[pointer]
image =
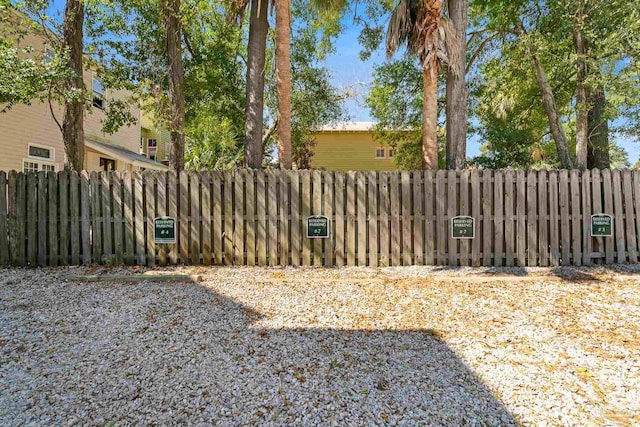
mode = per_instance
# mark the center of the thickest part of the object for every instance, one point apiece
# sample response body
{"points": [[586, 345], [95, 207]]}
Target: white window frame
{"points": [[52, 150], [99, 95], [389, 151], [39, 162], [384, 153]]}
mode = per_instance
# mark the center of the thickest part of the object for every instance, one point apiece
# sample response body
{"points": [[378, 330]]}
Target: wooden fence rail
{"points": [[255, 217]]}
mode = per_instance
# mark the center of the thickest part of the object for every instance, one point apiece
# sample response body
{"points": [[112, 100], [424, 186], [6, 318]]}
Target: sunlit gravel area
{"points": [[313, 346]]}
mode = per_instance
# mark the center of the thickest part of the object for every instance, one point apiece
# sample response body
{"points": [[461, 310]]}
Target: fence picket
{"points": [[118, 215], [442, 225], [475, 212], [328, 211], [576, 219], [42, 218], [295, 218], [487, 217], [509, 212], [620, 217], [172, 188], [217, 231], [129, 207], [521, 219], [629, 218], [565, 229], [284, 200], [238, 217], [543, 219], [452, 211], [316, 209], [429, 224], [385, 205], [586, 217], [554, 232], [361, 227], [150, 213], [351, 218], [394, 190], [532, 219], [465, 176], [195, 240], [32, 218], [250, 214], [261, 234], [85, 217], [498, 207], [339, 195], [63, 212], [272, 226], [609, 242], [4, 219], [227, 234], [52, 217], [418, 218]]}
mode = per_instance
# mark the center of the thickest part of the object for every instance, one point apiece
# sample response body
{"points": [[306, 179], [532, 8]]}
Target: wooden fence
{"points": [[246, 217]]}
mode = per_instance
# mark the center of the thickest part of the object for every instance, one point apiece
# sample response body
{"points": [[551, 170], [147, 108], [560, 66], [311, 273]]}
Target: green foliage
{"points": [[395, 100]]}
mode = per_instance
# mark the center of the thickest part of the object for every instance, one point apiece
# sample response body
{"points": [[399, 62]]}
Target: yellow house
{"points": [[350, 147], [31, 140], [155, 142]]}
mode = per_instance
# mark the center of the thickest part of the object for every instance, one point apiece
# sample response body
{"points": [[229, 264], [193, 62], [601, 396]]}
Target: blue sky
{"points": [[348, 71]]}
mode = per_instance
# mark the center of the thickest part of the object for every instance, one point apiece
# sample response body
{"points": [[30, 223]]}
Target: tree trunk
{"points": [[598, 154], [173, 29], [73, 122], [549, 103], [582, 92], [258, 26], [430, 118], [456, 108], [283, 80]]}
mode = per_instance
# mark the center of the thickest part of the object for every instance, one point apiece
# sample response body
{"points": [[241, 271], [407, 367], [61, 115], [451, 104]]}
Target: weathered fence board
{"points": [[259, 217]]}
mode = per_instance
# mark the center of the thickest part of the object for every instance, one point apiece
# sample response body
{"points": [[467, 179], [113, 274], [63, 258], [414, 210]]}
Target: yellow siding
{"points": [[150, 131], [349, 151], [33, 124]]}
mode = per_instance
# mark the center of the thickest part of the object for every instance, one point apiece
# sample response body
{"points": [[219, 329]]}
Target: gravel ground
{"points": [[351, 346]]}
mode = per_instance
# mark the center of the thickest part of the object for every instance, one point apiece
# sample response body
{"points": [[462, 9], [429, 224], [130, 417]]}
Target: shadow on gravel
{"points": [[167, 354], [569, 274]]}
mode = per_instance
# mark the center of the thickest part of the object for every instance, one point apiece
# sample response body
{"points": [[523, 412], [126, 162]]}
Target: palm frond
{"points": [[402, 27]]}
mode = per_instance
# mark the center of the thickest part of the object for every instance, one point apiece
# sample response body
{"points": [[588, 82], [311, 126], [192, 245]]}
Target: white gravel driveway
{"points": [[353, 346]]}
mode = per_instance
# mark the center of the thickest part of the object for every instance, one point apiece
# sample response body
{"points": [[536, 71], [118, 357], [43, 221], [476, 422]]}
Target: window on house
{"points": [[379, 153], [152, 154], [32, 166], [392, 153], [107, 164], [40, 152], [98, 94], [152, 143]]}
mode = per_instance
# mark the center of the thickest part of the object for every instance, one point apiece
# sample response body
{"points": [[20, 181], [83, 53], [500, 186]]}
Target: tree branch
{"points": [[479, 50], [53, 115], [270, 132]]}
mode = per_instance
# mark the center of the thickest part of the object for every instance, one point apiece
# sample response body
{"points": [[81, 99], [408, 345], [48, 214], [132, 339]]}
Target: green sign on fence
{"points": [[463, 227], [601, 225], [317, 227], [164, 229]]}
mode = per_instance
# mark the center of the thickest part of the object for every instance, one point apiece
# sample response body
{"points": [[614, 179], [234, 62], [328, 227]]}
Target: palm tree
{"points": [[419, 25], [283, 81], [258, 27]]}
